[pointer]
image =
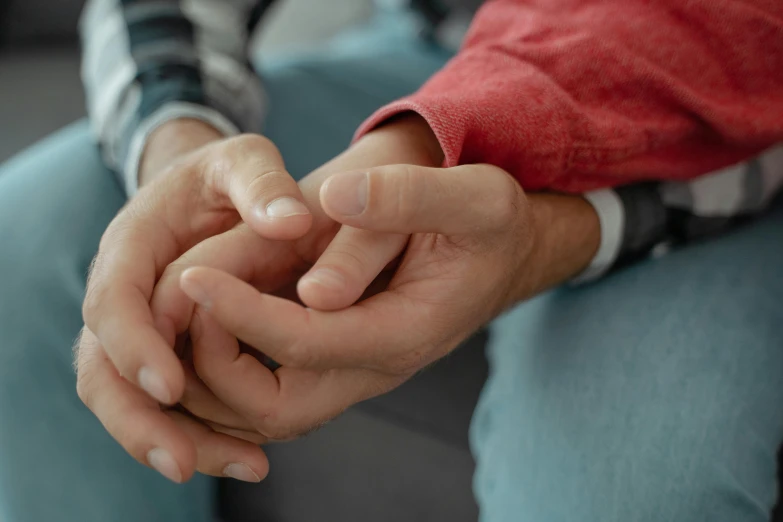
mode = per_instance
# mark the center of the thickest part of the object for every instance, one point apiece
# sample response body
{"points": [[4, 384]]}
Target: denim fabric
{"points": [[655, 395]]}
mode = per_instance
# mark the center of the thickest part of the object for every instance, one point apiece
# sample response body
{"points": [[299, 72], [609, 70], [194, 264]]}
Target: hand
{"points": [[199, 195], [195, 199], [172, 141], [479, 245]]}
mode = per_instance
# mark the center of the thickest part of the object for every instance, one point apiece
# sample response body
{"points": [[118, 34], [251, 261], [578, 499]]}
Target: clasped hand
{"points": [[392, 267]]}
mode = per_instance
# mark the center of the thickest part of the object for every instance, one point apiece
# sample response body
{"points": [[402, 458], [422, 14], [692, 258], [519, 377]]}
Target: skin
{"points": [[455, 276], [207, 262], [204, 186]]}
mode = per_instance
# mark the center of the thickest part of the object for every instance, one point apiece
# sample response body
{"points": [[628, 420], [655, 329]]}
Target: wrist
{"points": [[410, 131], [566, 236], [170, 141]]}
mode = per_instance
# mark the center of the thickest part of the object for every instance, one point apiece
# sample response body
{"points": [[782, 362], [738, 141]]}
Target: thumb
{"points": [[409, 199], [250, 170]]}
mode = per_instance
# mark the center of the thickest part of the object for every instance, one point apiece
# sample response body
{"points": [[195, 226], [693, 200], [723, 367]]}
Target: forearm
{"points": [[145, 64]]}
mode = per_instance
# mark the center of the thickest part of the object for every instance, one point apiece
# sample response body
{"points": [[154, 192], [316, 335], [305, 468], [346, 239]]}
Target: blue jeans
{"points": [[653, 395]]}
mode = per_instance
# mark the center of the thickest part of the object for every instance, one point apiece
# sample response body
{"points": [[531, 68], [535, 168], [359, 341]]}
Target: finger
{"points": [[221, 455], [166, 218], [138, 350], [202, 403], [237, 379], [408, 199], [250, 170], [251, 435], [116, 309], [130, 416], [283, 404], [240, 252], [350, 263], [365, 335]]}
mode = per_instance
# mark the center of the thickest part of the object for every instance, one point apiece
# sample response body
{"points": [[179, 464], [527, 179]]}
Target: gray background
{"points": [[40, 90]]}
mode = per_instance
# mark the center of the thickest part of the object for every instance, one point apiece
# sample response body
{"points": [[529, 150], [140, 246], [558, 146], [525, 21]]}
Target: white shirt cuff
{"points": [[611, 216]]}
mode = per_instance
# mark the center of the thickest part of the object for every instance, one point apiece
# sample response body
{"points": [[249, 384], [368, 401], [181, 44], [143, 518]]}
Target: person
{"points": [[652, 394]]}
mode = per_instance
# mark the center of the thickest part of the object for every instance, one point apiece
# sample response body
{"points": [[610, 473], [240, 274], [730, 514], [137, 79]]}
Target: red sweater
{"points": [[573, 95]]}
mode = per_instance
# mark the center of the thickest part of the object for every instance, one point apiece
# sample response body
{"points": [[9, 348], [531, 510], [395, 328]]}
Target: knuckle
{"points": [[350, 259], [223, 156], [410, 200], [268, 183], [260, 161], [247, 141], [298, 355], [93, 303], [301, 353], [403, 193], [247, 146], [504, 204], [84, 381]]}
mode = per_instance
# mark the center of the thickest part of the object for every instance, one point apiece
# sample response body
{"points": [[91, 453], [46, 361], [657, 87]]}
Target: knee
{"points": [[55, 200], [603, 440], [55, 194], [548, 465]]}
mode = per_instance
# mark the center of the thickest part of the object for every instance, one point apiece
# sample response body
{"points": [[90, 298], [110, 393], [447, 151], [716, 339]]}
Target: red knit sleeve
{"points": [[579, 94]]}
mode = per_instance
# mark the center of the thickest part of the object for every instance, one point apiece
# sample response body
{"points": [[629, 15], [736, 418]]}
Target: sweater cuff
{"points": [[441, 129]]}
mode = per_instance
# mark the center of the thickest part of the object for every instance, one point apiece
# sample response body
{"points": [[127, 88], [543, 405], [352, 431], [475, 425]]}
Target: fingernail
{"points": [[346, 193], [195, 291], [327, 277], [164, 464], [286, 207], [241, 472], [154, 385]]}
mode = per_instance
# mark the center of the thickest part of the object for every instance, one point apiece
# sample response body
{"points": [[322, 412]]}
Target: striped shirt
{"points": [[146, 62]]}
